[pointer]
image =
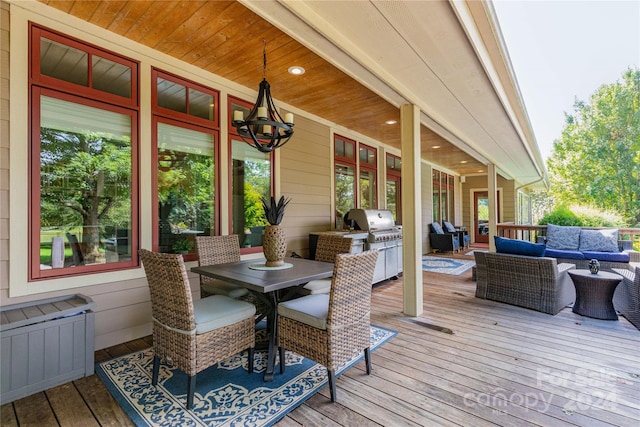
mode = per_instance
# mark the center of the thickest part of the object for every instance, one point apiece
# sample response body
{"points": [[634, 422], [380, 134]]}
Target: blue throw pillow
{"points": [[599, 240], [519, 247], [563, 237], [437, 228], [450, 228]]}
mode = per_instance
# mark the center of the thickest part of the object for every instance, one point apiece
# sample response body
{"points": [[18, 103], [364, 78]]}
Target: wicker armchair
{"points": [[626, 298], [537, 283], [219, 250], [328, 247], [193, 335], [330, 329]]}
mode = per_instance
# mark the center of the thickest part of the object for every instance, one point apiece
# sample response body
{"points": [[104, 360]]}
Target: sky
{"points": [[565, 50]]}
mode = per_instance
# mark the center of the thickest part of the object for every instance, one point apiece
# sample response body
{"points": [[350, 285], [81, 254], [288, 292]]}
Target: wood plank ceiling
{"points": [[226, 38]]}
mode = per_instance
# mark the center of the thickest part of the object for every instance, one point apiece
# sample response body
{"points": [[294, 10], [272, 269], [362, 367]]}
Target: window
{"points": [[524, 208], [185, 177], [368, 177], [394, 170], [345, 166], [84, 201], [251, 179], [443, 196]]}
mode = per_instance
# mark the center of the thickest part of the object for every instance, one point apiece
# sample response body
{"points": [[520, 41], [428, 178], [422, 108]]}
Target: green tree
{"points": [[597, 159]]}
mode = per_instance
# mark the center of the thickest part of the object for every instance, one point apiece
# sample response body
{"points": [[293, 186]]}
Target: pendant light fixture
{"points": [[264, 128]]}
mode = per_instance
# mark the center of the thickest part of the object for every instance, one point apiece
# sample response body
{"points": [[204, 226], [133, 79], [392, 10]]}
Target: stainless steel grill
{"points": [[378, 223], [382, 234]]}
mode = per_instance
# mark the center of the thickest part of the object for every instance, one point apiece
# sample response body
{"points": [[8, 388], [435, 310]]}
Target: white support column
{"points": [[492, 186], [411, 210]]}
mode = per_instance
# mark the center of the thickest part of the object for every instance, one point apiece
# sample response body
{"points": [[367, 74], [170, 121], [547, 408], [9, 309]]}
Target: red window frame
{"points": [[36, 32], [39, 85], [187, 121], [395, 175], [35, 273], [185, 117], [371, 167], [346, 161]]}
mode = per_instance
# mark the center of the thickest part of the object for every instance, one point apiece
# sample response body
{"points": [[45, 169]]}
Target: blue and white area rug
{"points": [[226, 395], [452, 266]]}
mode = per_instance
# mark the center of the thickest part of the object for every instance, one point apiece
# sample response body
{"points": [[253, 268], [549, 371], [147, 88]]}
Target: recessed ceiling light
{"points": [[480, 171], [296, 70], [391, 122], [435, 146], [463, 161]]}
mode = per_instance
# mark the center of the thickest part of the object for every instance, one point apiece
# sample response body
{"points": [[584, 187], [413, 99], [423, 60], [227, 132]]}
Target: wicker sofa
{"points": [[578, 246], [537, 283]]}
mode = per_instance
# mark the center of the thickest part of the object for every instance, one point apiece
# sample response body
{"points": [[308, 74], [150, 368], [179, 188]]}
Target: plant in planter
{"points": [[182, 246], [274, 243]]}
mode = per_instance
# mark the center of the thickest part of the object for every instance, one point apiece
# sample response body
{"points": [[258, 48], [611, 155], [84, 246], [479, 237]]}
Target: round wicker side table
{"points": [[594, 293]]}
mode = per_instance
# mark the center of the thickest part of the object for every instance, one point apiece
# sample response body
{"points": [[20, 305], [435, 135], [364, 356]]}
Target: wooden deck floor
{"points": [[465, 362]]}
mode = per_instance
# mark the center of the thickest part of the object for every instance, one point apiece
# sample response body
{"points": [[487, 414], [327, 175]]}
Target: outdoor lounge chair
{"points": [[218, 250], [330, 329], [193, 335], [626, 298], [441, 241], [328, 247], [537, 283]]}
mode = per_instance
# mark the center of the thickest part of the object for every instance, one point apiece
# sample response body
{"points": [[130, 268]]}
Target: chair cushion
{"points": [[218, 287], [599, 240], [437, 228], [449, 227], [519, 247], [563, 237], [320, 286], [607, 256], [311, 310], [556, 253], [218, 311]]}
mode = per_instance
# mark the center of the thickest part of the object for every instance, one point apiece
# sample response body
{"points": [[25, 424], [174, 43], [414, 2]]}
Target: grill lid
{"points": [[371, 220]]}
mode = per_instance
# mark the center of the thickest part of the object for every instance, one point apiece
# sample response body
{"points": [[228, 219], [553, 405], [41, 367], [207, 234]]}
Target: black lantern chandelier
{"points": [[264, 128]]}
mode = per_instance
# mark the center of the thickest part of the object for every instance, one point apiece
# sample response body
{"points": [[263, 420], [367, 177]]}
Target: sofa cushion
{"points": [[556, 253], [563, 237], [599, 240], [449, 227], [607, 256], [518, 247], [437, 228]]}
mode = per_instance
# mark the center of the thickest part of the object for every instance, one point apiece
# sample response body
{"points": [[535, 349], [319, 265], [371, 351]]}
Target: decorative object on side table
{"points": [[594, 266], [274, 243]]}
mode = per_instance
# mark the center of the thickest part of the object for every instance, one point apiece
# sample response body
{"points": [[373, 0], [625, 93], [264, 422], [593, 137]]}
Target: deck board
{"points": [[501, 365]]}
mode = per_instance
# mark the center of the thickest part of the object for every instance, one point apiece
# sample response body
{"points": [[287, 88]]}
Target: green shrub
{"points": [[561, 215], [583, 216]]}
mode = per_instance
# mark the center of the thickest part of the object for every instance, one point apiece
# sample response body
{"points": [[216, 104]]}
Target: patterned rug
{"points": [[225, 394], [452, 266]]}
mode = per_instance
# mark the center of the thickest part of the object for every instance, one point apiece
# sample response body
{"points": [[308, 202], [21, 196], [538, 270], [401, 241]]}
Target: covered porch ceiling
{"points": [[363, 59]]}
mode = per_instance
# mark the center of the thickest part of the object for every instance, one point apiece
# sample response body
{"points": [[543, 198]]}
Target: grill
{"points": [[382, 234]]}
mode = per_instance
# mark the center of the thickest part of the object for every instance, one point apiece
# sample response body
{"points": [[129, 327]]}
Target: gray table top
{"points": [[265, 281], [600, 275]]}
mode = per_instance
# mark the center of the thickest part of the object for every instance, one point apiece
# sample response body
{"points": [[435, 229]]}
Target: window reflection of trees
{"points": [[85, 182]]}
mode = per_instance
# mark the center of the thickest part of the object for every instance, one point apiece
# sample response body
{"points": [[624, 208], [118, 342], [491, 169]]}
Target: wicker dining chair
{"points": [[193, 335], [328, 247], [219, 250], [330, 329]]}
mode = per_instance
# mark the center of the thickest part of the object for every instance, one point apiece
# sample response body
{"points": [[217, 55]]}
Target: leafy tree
{"points": [[597, 159]]}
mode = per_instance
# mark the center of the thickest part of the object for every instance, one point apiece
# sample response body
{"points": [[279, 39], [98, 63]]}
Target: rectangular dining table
{"points": [[268, 284]]}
